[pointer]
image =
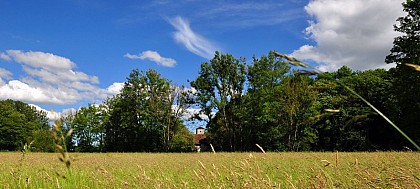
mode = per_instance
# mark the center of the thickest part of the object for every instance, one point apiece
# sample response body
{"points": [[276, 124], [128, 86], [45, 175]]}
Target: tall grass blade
{"points": [[381, 114]]}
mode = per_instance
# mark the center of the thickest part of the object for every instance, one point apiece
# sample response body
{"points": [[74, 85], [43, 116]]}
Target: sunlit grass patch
{"points": [[220, 170]]}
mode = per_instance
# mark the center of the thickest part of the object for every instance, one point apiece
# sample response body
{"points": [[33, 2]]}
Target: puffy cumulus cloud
{"points": [[191, 40], [154, 57], [191, 112], [51, 79], [356, 33], [18, 90], [115, 88], [53, 115], [68, 111], [41, 60], [188, 113]]}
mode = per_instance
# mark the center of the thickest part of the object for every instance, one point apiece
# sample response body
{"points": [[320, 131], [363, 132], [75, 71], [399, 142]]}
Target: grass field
{"points": [[208, 170]]}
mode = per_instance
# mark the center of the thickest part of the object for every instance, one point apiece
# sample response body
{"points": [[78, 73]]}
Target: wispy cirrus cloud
{"points": [[249, 14], [48, 79], [357, 33], [223, 15], [154, 57], [194, 42]]}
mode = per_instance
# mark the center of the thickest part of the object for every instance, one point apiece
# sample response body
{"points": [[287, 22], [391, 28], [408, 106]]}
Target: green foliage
{"points": [[221, 82], [42, 141], [406, 48], [182, 140], [266, 103], [142, 118], [356, 126], [406, 85], [278, 108], [262, 102], [88, 128], [283, 109], [20, 124], [297, 98]]}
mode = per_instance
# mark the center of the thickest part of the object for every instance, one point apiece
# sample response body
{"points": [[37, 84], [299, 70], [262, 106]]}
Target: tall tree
{"points": [[405, 52], [345, 123], [88, 129], [220, 82], [262, 101], [297, 99], [145, 116], [133, 125], [177, 136]]}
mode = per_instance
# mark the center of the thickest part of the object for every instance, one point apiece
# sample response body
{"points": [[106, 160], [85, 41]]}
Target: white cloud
{"points": [[356, 33], [69, 111], [154, 57], [115, 88], [191, 112], [60, 76], [191, 40], [80, 86], [4, 57], [5, 73], [50, 79], [41, 60], [18, 90], [53, 115]]}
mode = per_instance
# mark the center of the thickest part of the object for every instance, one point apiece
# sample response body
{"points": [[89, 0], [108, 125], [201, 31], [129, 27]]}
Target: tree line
{"points": [[284, 109], [274, 100], [146, 116]]}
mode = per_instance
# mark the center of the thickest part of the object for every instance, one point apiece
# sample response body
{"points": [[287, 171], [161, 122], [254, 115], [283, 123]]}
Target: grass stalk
{"points": [[295, 62], [262, 150], [381, 114]]}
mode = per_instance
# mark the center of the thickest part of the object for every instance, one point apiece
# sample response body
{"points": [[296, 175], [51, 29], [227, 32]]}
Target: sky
{"points": [[62, 55]]}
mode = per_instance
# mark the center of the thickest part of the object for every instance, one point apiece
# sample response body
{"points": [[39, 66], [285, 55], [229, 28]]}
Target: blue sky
{"points": [[65, 54]]}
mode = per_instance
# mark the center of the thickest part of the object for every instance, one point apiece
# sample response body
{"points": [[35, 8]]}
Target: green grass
{"points": [[208, 170]]}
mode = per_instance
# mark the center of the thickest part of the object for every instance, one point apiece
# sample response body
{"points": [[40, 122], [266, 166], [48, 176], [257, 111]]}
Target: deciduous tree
{"points": [[406, 87]]}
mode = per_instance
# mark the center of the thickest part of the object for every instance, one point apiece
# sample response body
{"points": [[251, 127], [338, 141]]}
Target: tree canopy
{"points": [[406, 85], [22, 124], [275, 101]]}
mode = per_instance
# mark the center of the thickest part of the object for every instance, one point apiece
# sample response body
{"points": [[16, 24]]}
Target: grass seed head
{"points": [[69, 133], [308, 72], [68, 162], [331, 110], [413, 66]]}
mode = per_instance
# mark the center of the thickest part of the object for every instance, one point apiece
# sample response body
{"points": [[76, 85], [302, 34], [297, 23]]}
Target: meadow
{"points": [[209, 170]]}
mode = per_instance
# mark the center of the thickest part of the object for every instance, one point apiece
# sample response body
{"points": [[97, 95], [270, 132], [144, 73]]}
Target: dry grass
{"points": [[221, 170]]}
